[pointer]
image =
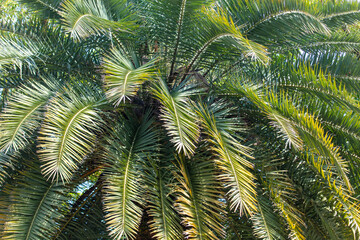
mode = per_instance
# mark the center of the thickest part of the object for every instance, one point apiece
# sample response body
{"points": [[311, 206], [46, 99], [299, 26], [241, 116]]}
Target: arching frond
{"points": [[284, 27], [308, 81], [198, 200], [348, 205], [86, 217], [340, 19], [32, 207], [55, 52], [5, 165], [231, 155], [218, 26], [22, 115], [122, 78], [266, 222], [45, 8], [130, 145], [282, 192], [179, 118], [340, 41], [68, 132], [165, 223], [306, 127], [83, 18], [170, 22], [18, 53]]}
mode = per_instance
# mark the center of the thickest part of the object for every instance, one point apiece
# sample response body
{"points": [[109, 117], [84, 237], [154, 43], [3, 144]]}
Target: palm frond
{"points": [[19, 53], [23, 114], [83, 18], [282, 192], [122, 78], [165, 223], [337, 20], [56, 53], [68, 132], [6, 165], [131, 144], [334, 229], [179, 118], [187, 9], [286, 26], [266, 222], [312, 82], [339, 41], [216, 26], [330, 12], [231, 155], [314, 136], [169, 22], [348, 205], [44, 8], [198, 199], [304, 125], [33, 206], [85, 220]]}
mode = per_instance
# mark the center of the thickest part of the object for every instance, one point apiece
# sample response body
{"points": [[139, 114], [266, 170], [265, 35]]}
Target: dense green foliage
{"points": [[180, 119]]}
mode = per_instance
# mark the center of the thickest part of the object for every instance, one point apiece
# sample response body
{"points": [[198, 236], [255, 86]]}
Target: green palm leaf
{"points": [[122, 78], [32, 207], [124, 189], [286, 26], [348, 205], [19, 52], [198, 200], [165, 223], [83, 18], [312, 82], [68, 132], [282, 192], [339, 41], [180, 120], [300, 125], [6, 165], [22, 115], [86, 210], [221, 127], [217, 26], [45, 8], [266, 222]]}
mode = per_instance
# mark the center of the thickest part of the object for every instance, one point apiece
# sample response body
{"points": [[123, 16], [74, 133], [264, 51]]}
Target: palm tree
{"points": [[159, 119]]}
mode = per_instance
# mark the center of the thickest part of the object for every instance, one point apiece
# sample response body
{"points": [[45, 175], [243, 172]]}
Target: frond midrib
{"points": [[37, 211], [126, 177], [65, 135], [22, 121]]}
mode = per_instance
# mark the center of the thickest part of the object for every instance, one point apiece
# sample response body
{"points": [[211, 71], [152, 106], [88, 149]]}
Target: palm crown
{"points": [[176, 119]]}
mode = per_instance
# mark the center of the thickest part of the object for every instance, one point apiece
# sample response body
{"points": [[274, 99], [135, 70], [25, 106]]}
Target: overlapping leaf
{"points": [[32, 207]]}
